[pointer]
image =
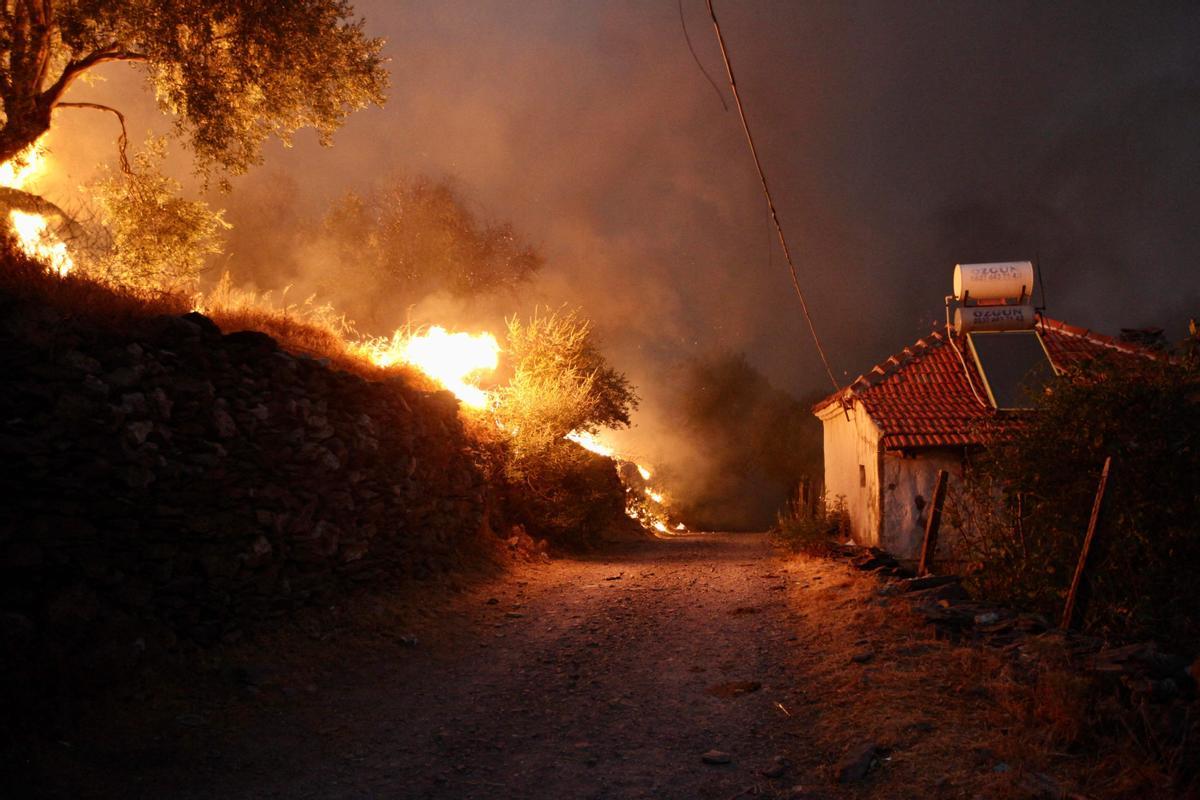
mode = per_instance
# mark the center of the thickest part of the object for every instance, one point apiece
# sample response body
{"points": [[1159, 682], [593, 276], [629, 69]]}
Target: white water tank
{"points": [[994, 318], [1006, 280]]}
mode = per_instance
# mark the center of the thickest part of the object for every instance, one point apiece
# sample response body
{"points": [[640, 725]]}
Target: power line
{"points": [[770, 202], [696, 58]]}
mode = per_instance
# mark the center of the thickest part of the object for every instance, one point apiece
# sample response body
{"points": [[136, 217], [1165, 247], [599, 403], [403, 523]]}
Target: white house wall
{"points": [[849, 444], [907, 494]]}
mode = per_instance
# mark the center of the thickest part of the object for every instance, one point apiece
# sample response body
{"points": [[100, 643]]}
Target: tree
{"points": [[760, 442], [157, 239], [417, 237], [231, 72], [560, 383]]}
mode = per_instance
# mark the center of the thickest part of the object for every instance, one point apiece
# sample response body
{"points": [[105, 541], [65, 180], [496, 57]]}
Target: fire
{"points": [[32, 231], [452, 359], [39, 243], [588, 441], [643, 503], [20, 170]]}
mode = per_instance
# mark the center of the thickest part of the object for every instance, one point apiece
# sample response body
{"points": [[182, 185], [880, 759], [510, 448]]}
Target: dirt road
{"points": [[604, 677]]}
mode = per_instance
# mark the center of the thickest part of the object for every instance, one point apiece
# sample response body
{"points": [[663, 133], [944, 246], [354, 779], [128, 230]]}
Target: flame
{"points": [[32, 231], [20, 170], [451, 359], [39, 243], [644, 503], [588, 441]]}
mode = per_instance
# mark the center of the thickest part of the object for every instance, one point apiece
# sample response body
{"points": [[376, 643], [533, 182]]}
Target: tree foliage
{"points": [[1147, 548], [560, 383], [418, 236], [157, 239], [230, 72], [759, 440]]}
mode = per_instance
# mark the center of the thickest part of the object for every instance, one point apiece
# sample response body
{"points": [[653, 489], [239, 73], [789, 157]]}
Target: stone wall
{"points": [[173, 483]]}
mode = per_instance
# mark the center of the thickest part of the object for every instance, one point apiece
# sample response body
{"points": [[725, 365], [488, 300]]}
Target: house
{"points": [[888, 433]]}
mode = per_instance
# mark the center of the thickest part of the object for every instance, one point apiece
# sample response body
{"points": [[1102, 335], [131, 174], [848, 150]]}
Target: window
{"points": [[862, 475]]}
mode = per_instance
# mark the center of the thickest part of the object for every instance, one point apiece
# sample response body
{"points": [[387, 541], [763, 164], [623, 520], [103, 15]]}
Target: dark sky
{"points": [[900, 138]]}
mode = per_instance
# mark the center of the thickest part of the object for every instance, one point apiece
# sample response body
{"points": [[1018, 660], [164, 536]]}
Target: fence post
{"points": [[929, 545], [1069, 610]]}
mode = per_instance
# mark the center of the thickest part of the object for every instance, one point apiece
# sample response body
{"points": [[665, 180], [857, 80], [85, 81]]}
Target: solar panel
{"points": [[1014, 365]]}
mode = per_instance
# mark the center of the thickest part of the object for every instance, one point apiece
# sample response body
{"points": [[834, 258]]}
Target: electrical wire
{"points": [[961, 360], [770, 202], [696, 58]]}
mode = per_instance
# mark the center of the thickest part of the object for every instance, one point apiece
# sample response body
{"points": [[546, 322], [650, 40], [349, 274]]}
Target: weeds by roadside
{"points": [[810, 527]]}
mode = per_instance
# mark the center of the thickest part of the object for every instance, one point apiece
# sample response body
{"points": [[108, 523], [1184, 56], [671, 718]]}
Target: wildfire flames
{"points": [[452, 359], [32, 231], [643, 503], [455, 360]]}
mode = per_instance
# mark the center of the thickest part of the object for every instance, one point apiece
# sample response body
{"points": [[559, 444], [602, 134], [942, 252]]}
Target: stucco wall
{"points": [[907, 493], [850, 443]]}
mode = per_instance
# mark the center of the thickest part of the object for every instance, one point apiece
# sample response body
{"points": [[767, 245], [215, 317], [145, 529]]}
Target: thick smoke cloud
{"points": [[900, 138]]}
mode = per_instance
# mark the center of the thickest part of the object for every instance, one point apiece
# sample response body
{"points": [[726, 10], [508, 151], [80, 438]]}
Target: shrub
{"points": [[1140, 573], [804, 528]]}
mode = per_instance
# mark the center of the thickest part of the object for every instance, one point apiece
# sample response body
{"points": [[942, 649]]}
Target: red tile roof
{"points": [[932, 395]]}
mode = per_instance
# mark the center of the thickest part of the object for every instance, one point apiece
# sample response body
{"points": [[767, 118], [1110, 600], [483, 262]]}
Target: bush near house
{"points": [[1141, 573]]}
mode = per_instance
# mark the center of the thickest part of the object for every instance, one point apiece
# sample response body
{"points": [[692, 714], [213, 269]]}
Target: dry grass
{"points": [[956, 721], [304, 328], [110, 307]]}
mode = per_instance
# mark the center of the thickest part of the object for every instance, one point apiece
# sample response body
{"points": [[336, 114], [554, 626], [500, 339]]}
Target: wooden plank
{"points": [[932, 522], [1069, 610]]}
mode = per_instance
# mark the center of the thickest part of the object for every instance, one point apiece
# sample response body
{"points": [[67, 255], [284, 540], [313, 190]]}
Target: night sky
{"points": [[899, 138]]}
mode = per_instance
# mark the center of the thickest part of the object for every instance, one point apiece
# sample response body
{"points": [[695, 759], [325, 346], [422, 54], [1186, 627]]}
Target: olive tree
{"points": [[231, 73]]}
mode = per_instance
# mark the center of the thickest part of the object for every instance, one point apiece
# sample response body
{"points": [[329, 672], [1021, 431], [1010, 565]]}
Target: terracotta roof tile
{"points": [[927, 396]]}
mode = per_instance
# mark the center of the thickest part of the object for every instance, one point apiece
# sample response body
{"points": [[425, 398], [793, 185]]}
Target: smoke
{"points": [[899, 139]]}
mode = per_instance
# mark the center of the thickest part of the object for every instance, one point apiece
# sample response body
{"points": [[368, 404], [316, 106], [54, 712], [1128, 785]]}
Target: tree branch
{"points": [[122, 140], [76, 68]]}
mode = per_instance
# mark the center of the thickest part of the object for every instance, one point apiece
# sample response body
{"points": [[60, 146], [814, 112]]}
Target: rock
{"points": [[863, 657], [716, 757], [776, 769], [857, 762], [987, 618]]}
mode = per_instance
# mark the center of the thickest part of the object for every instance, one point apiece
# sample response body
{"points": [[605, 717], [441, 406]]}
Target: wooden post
{"points": [[1069, 610], [929, 545]]}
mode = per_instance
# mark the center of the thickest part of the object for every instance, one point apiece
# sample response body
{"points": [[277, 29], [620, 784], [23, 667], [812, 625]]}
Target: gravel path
{"points": [[601, 678]]}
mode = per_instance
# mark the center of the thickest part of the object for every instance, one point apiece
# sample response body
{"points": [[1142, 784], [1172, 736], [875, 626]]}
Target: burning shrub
{"points": [[1140, 573]]}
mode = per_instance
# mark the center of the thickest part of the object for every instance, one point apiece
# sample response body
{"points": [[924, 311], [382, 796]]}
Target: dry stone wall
{"points": [[174, 483]]}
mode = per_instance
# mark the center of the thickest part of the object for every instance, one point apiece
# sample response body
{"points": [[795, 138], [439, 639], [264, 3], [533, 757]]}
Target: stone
{"points": [[776, 769], [863, 657], [857, 762], [716, 757]]}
